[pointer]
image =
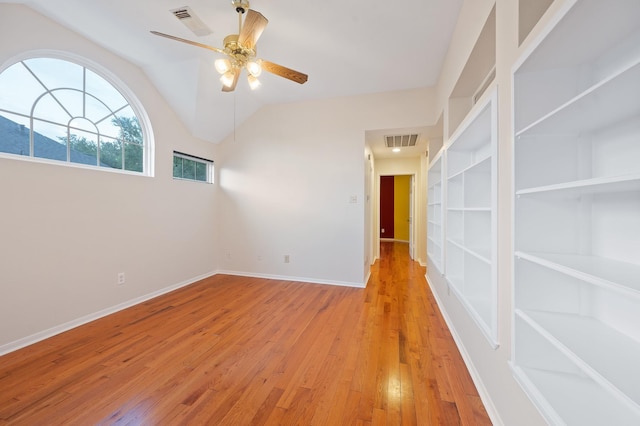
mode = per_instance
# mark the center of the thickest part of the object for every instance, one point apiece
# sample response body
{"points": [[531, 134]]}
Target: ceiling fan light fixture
{"points": [[254, 83], [254, 68], [227, 78], [222, 65]]}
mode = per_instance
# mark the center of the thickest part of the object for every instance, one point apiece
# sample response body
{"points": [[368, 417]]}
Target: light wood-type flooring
{"points": [[232, 350]]}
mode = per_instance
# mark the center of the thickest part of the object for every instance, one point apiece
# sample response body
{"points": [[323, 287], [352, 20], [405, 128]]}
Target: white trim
{"points": [[289, 278], [394, 240], [366, 279], [45, 334], [473, 372], [8, 156]]}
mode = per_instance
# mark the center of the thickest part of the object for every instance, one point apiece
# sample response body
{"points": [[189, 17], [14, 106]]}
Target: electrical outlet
{"points": [[286, 258], [121, 279]]}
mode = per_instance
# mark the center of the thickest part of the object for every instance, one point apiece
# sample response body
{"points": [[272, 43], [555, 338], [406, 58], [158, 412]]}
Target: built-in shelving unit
{"points": [[471, 203], [577, 216], [435, 249]]}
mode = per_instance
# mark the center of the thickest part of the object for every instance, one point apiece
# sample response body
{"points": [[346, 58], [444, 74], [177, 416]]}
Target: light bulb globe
{"points": [[222, 65]]}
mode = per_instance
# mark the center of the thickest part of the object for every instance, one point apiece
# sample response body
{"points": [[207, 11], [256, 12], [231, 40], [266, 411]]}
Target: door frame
{"points": [[375, 232]]}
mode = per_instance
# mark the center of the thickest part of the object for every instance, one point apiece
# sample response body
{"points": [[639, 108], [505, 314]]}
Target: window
{"points": [[189, 167], [54, 109]]}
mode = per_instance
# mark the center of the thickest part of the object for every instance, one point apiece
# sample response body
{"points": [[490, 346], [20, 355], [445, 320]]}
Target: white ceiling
{"points": [[347, 47]]}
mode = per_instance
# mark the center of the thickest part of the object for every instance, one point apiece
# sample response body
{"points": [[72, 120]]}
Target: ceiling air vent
{"points": [[190, 19], [401, 141]]}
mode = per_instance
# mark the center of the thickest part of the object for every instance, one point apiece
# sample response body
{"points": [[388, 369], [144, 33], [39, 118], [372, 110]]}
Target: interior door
{"points": [[386, 207]]}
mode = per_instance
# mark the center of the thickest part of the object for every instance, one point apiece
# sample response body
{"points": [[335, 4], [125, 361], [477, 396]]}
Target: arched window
{"points": [[58, 110]]}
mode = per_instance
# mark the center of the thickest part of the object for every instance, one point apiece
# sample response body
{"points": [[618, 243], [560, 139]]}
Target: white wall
{"points": [[66, 232], [287, 180]]}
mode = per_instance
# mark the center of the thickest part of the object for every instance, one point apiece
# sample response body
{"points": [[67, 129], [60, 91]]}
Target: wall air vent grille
{"points": [[401, 141], [190, 20]]}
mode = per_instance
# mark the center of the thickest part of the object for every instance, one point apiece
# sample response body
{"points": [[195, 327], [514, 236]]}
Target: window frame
{"points": [[148, 145], [199, 160]]}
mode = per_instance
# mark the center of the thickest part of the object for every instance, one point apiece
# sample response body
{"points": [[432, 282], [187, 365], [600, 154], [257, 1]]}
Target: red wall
{"points": [[386, 206]]}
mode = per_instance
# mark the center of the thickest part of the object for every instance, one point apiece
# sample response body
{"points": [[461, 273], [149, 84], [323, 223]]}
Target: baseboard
{"points": [[366, 280], [477, 381], [394, 240], [289, 278], [42, 335]]}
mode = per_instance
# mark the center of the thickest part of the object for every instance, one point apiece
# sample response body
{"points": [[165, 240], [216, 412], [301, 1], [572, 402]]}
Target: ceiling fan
{"points": [[240, 51]]}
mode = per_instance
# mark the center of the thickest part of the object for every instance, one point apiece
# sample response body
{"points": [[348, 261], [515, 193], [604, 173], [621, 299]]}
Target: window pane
{"points": [[82, 124], [109, 127], [110, 153], [177, 167], [56, 73], [48, 109], [103, 90], [95, 110], [72, 101], [201, 172], [95, 126], [189, 169], [18, 89], [129, 128], [49, 141], [84, 148], [14, 134], [133, 157]]}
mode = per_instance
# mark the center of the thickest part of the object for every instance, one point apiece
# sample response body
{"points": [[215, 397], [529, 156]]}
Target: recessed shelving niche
{"points": [[471, 204], [529, 13], [477, 75], [577, 216], [435, 249]]}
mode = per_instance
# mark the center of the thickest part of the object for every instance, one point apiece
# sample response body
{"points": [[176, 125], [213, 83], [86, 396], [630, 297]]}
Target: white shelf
{"points": [[575, 400], [576, 341], [481, 253], [589, 44], [471, 209], [607, 102], [600, 351], [627, 183], [435, 212], [481, 165], [471, 205], [612, 274], [481, 309]]}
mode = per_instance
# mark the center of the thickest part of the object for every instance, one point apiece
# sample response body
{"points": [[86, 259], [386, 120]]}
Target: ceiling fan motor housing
{"points": [[240, 5], [240, 54]]}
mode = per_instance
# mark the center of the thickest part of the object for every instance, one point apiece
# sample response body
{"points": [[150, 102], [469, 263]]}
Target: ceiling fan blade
{"points": [[193, 43], [254, 25], [236, 75], [285, 72]]}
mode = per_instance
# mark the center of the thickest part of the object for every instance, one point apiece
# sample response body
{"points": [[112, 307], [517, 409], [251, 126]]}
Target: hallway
{"points": [[234, 350]]}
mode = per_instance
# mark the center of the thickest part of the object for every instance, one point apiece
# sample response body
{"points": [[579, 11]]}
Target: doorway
{"points": [[396, 209]]}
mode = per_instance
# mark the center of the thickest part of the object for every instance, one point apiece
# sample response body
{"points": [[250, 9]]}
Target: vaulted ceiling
{"points": [[347, 47]]}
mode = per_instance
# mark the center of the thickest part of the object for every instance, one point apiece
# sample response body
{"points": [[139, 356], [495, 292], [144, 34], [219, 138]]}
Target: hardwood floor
{"points": [[245, 351]]}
